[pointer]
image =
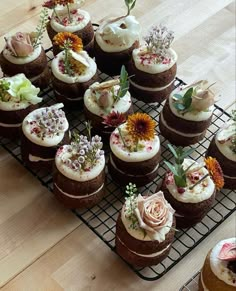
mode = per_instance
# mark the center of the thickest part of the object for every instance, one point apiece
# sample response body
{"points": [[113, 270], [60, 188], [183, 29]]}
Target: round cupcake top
{"points": [[193, 102], [17, 93], [118, 34], [226, 140], [135, 140], [191, 193], [147, 218], [46, 126], [82, 160], [223, 261], [82, 67]]}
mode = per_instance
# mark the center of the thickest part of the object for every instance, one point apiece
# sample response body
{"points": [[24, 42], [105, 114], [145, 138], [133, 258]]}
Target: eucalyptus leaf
{"points": [[178, 96]]}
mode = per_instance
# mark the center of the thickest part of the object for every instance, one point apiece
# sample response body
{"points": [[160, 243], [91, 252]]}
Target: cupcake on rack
{"points": [[73, 70], [44, 130], [223, 148], [135, 151], [145, 228], [153, 67], [187, 113], [68, 17], [23, 53], [115, 40], [219, 269], [79, 174], [190, 188], [18, 97], [108, 104]]}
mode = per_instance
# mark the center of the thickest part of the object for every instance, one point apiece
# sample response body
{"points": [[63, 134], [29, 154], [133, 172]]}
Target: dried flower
{"points": [[64, 2], [70, 40], [228, 252], [50, 4], [20, 44], [4, 87], [141, 126], [158, 42], [215, 172], [114, 119]]}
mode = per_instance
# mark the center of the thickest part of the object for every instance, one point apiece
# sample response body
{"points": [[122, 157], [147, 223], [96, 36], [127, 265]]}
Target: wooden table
{"points": [[43, 246]]}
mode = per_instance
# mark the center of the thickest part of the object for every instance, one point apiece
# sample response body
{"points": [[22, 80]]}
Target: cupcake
{"points": [[18, 97], [190, 188], [187, 114], [23, 53], [153, 67], [79, 173], [108, 104], [44, 130], [219, 269], [114, 42], [68, 17], [73, 70], [145, 228], [223, 148], [135, 151]]}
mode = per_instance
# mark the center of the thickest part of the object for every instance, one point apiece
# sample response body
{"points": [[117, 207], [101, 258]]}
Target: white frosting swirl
{"points": [[190, 115], [75, 25], [118, 35], [219, 267], [122, 105], [89, 72], [153, 67], [22, 60], [149, 150], [199, 193], [80, 176]]}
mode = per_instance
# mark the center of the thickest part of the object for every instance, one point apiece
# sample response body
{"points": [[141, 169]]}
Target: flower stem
{"points": [[67, 62], [68, 10], [121, 136], [136, 146], [57, 16], [198, 182]]}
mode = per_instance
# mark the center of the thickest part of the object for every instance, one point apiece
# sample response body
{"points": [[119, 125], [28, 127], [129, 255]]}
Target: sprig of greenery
{"points": [[68, 69], [131, 191], [4, 87], [41, 27], [124, 84], [130, 5], [177, 168], [183, 103], [233, 146], [88, 126]]}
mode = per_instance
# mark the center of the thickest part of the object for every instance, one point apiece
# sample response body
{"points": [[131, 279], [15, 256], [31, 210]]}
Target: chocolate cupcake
{"points": [[219, 269], [68, 17], [135, 151], [145, 229], [153, 67], [187, 114], [108, 104], [18, 97], [23, 53], [223, 148], [44, 130], [79, 174], [73, 71], [190, 188], [114, 42]]}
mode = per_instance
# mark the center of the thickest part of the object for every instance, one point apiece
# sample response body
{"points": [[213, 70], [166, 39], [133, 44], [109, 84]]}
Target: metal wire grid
{"points": [[101, 219], [192, 284]]}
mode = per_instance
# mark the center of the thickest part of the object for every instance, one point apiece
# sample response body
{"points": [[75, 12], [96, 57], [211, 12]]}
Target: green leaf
{"points": [[187, 98], [171, 167], [180, 181], [171, 148], [178, 96], [188, 152]]}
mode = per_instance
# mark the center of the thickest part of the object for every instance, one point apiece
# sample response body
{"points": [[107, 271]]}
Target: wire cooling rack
{"points": [[101, 219], [192, 284]]}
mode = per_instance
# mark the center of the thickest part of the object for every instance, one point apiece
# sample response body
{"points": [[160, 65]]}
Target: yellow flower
{"points": [[63, 2], [215, 172], [141, 126], [68, 40]]}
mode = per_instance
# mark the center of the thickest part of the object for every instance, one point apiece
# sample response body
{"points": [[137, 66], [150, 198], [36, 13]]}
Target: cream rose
{"points": [[20, 44], [202, 97], [153, 212]]}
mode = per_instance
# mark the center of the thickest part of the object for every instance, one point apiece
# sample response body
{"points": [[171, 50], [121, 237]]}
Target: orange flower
{"points": [[68, 40], [141, 126], [64, 2], [215, 172]]}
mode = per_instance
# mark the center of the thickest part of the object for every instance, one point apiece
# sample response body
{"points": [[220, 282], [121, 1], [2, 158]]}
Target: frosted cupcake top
{"points": [[118, 35], [17, 93], [147, 218], [223, 261], [46, 126], [82, 160]]}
